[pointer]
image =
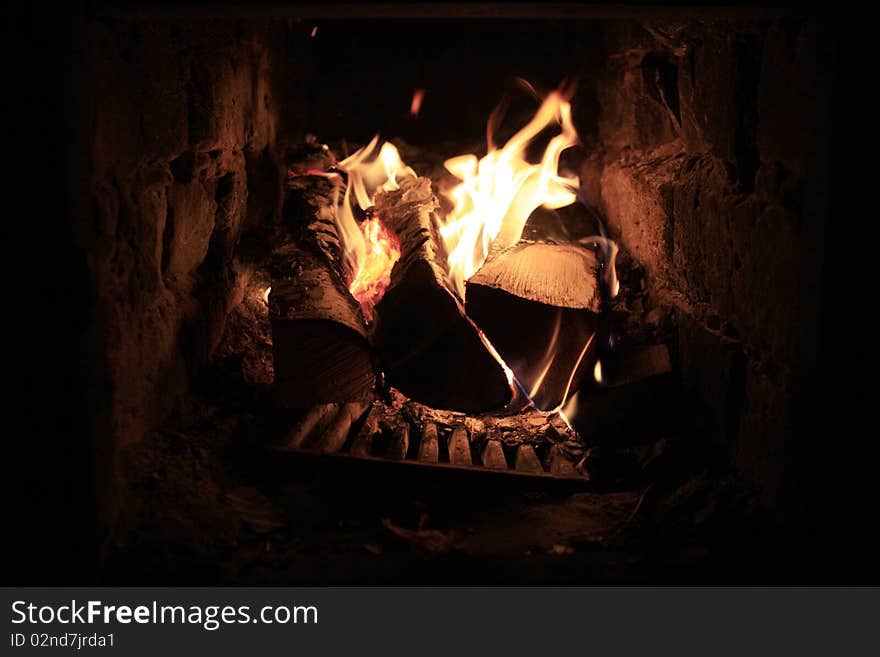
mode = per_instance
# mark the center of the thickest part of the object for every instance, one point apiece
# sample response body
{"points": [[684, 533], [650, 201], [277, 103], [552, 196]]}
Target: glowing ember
{"points": [[416, 105], [374, 274]]}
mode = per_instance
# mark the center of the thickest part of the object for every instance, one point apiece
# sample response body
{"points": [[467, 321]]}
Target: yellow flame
{"points": [[374, 275], [569, 411], [597, 372], [549, 356], [498, 192], [370, 250], [266, 294], [574, 370]]}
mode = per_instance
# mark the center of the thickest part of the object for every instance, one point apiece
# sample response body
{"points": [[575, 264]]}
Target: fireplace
{"points": [[503, 293]]}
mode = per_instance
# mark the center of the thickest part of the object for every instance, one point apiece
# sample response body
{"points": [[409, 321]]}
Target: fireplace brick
{"points": [[637, 201]]}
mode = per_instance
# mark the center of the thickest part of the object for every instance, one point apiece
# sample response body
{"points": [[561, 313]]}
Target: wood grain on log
{"points": [[559, 275], [429, 349], [538, 304], [321, 349]]}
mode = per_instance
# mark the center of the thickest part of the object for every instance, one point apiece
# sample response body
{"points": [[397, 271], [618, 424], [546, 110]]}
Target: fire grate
{"points": [[529, 444]]}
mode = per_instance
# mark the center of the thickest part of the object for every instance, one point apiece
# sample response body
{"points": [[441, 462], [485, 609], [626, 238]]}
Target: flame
{"points": [[370, 249], [499, 192], [597, 372], [266, 294], [416, 105], [314, 31], [374, 275], [549, 356], [569, 411], [574, 370]]}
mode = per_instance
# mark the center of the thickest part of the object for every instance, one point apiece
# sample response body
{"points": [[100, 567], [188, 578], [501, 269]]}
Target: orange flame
{"points": [[374, 275], [371, 250], [499, 192]]}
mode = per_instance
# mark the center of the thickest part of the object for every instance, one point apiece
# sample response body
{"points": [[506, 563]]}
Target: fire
{"points": [[371, 250], [498, 192], [597, 372], [490, 207], [374, 274]]}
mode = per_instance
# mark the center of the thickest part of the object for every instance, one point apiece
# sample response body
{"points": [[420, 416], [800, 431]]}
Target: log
{"points": [[429, 349], [538, 304], [320, 343], [633, 403], [559, 275]]}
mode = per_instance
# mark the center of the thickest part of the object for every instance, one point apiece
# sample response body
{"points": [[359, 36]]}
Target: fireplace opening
{"points": [[433, 294]]}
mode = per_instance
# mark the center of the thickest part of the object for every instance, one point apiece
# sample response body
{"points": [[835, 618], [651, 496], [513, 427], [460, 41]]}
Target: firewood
{"points": [[632, 405], [429, 348], [559, 275], [538, 304], [320, 342]]}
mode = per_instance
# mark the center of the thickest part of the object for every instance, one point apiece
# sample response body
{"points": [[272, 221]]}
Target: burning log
{"points": [[321, 349], [430, 350], [538, 304]]}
